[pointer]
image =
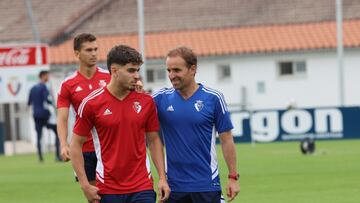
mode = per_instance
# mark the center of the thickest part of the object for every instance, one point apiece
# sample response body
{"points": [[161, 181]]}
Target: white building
{"points": [[261, 67]]}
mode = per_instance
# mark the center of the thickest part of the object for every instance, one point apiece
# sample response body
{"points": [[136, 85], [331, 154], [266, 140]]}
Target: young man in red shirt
{"points": [[74, 89], [121, 121]]}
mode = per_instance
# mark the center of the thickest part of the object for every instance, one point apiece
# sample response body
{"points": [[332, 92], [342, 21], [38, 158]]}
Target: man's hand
{"points": [[164, 190], [232, 189], [65, 153], [91, 193]]}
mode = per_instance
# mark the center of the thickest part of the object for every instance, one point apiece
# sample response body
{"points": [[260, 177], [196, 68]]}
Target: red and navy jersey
{"points": [[118, 128], [75, 88]]}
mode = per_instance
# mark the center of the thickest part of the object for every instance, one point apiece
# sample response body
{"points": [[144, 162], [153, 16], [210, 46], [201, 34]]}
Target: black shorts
{"points": [[147, 196], [90, 161], [196, 197]]}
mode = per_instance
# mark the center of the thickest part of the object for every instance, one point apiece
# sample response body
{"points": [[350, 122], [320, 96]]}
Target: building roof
{"points": [[51, 16], [57, 20], [228, 41], [120, 16]]}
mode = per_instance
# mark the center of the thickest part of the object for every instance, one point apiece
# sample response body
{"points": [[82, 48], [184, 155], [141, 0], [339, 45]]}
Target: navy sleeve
{"points": [[30, 97], [45, 94]]}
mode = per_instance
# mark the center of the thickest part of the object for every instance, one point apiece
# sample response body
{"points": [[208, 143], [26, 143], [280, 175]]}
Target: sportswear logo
{"points": [[107, 112], [90, 86], [137, 107], [170, 108], [78, 89], [199, 105]]}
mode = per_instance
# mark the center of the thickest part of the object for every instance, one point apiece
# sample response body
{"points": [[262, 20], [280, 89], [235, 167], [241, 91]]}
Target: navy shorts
{"points": [[90, 161], [147, 196], [196, 197]]}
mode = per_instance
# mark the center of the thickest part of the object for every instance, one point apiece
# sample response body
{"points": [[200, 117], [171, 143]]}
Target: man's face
{"points": [[179, 74], [45, 78], [126, 76], [88, 53]]}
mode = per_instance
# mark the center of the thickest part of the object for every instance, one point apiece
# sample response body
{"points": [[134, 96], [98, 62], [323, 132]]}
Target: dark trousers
{"points": [[196, 197], [39, 125]]}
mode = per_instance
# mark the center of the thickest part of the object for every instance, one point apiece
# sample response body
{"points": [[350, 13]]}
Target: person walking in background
{"points": [[73, 90], [39, 99], [122, 120], [51, 124], [190, 114]]}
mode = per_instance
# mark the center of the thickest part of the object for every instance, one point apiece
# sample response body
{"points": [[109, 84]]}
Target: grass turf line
{"points": [[272, 172]]}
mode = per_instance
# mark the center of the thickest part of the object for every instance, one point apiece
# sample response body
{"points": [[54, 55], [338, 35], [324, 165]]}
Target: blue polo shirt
{"points": [[189, 130]]}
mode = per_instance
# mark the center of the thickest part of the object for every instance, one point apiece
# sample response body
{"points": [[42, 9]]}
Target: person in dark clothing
{"points": [[39, 100]]}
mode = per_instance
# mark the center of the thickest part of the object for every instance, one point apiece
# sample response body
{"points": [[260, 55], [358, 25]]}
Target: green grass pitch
{"points": [[270, 173]]}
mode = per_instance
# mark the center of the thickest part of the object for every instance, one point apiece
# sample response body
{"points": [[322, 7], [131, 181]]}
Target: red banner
{"points": [[23, 56]]}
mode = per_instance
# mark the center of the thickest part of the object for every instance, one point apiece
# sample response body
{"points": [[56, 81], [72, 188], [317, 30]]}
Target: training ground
{"points": [[270, 173]]}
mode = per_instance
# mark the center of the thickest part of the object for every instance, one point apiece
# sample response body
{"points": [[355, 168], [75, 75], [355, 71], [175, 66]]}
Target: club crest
{"points": [[199, 105], [14, 86], [137, 107], [102, 83]]}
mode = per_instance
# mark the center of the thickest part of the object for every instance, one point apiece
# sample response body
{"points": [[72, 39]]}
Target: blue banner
{"points": [[296, 124]]}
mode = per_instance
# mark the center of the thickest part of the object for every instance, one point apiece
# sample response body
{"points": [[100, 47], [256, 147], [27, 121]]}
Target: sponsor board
{"points": [[296, 124], [23, 55], [19, 69]]}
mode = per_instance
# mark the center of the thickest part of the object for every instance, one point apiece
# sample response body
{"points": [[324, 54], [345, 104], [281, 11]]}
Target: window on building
{"points": [[154, 75], [260, 86], [292, 68], [300, 67], [150, 75], [161, 74], [224, 72]]}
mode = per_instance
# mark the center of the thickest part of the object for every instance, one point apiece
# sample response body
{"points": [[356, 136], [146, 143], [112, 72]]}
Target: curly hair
{"points": [[122, 55]]}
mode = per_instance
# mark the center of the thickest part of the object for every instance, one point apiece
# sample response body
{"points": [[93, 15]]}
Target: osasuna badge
{"points": [[199, 105], [102, 83], [137, 107], [14, 86]]}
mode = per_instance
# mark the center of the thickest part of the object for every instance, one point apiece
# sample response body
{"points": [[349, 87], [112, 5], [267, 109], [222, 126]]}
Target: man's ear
{"points": [[76, 53], [193, 68], [113, 70]]}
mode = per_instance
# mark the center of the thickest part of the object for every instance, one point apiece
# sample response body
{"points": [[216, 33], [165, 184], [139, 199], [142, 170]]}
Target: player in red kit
{"points": [[74, 89], [121, 121]]}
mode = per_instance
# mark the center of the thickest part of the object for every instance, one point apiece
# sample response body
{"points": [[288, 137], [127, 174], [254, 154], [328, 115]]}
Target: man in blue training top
{"points": [[39, 99], [190, 114]]}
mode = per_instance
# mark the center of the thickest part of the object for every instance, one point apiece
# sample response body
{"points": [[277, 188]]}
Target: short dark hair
{"points": [[122, 55], [81, 38], [186, 53], [42, 73]]}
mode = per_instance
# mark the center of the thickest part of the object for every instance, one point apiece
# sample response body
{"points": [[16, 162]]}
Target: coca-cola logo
{"points": [[15, 57]]}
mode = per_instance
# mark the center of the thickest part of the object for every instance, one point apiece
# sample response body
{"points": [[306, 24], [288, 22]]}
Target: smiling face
{"points": [[88, 53], [180, 75]]}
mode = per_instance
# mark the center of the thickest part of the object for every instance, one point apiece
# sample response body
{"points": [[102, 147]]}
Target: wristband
{"points": [[234, 176]]}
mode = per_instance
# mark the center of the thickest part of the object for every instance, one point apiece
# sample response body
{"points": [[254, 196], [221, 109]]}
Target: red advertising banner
{"points": [[20, 65], [31, 55]]}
